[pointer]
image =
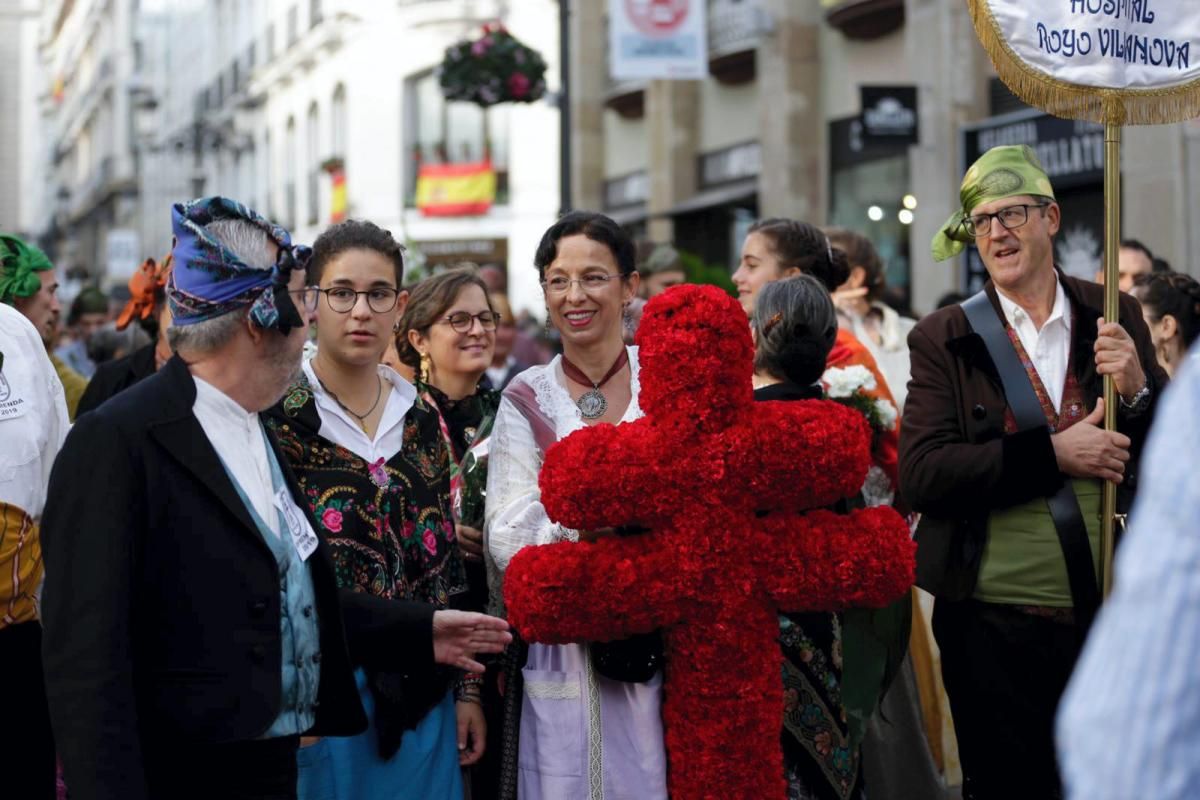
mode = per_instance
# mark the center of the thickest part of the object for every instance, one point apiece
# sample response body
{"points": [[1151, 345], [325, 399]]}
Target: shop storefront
{"points": [[441, 254], [713, 222], [869, 186], [1072, 154], [625, 200]]}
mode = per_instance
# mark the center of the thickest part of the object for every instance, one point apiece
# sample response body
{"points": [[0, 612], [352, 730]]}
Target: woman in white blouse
{"points": [[581, 734]]}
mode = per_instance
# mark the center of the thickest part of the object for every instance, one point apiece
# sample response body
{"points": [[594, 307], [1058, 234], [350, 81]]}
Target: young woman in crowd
{"points": [[1171, 307], [895, 753], [862, 311], [588, 725], [447, 335], [794, 326], [369, 454]]}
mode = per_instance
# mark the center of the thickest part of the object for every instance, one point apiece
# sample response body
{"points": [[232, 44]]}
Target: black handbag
{"points": [[636, 659]]}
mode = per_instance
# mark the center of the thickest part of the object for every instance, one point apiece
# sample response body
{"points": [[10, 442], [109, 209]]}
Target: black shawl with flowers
{"points": [[464, 421], [389, 529]]}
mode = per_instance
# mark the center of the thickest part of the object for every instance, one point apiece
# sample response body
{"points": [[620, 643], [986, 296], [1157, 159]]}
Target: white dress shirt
{"points": [[340, 428], [33, 414], [237, 436], [1050, 347]]}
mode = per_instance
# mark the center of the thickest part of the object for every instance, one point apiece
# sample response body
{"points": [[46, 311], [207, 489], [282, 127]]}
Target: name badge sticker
{"points": [[303, 536]]}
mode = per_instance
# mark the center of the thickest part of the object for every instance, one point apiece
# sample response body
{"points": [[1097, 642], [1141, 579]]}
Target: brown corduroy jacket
{"points": [[957, 464]]}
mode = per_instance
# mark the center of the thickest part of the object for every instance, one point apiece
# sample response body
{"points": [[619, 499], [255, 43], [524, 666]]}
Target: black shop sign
{"points": [[889, 114]]}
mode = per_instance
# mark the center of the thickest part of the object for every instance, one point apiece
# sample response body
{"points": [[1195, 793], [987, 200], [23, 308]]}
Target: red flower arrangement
{"points": [[711, 574]]}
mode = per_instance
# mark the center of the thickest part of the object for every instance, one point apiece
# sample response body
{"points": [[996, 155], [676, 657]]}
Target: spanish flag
{"points": [[456, 190], [337, 195]]}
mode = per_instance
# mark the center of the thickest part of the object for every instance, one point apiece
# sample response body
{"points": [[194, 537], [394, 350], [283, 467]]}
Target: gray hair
{"points": [[795, 325], [209, 335], [245, 240], [255, 249]]}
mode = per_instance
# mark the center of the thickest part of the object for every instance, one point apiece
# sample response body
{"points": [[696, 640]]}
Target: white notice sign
{"points": [[653, 39]]}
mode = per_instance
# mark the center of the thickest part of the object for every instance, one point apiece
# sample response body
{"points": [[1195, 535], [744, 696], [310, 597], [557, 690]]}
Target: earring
{"points": [[546, 327], [426, 363], [396, 327]]}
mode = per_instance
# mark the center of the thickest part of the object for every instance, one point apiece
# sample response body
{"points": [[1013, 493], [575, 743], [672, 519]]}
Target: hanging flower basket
{"points": [[495, 68]]}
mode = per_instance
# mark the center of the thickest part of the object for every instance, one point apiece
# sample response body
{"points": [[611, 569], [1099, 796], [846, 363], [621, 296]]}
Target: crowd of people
{"points": [[254, 529]]}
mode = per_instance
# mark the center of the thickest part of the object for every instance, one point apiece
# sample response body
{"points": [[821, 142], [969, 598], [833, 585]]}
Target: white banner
{"points": [[651, 39], [1104, 44]]}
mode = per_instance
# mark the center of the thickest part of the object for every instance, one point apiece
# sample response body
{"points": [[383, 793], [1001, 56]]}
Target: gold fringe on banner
{"points": [[1074, 101]]}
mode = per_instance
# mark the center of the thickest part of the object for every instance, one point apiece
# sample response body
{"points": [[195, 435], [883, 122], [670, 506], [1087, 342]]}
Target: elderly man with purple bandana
{"points": [[193, 625]]}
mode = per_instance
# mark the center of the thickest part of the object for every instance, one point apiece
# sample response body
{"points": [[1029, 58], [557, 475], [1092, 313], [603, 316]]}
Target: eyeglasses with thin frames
{"points": [[461, 321], [1010, 217], [591, 284], [342, 299]]}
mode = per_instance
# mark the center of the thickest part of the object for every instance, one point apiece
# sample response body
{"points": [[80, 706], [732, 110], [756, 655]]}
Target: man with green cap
{"points": [[29, 284], [1003, 452]]}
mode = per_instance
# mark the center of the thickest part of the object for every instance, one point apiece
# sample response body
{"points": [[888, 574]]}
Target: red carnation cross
{"points": [[699, 470]]}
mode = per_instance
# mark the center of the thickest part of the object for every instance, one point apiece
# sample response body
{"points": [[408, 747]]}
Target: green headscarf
{"points": [[1009, 171], [19, 263]]}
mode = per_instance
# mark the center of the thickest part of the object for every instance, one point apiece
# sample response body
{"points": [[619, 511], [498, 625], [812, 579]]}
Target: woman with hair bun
{"points": [[1171, 307], [793, 322], [778, 248], [794, 325]]}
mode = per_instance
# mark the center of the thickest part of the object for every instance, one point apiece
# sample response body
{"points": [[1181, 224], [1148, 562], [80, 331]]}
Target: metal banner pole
{"points": [[1112, 244]]}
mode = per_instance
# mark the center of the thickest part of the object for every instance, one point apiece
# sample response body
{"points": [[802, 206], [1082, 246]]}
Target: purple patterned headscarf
{"points": [[209, 281]]}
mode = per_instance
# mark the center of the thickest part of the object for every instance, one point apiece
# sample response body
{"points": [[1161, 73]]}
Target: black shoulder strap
{"points": [[1027, 411]]}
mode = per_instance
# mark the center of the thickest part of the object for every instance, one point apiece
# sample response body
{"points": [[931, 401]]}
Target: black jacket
{"points": [[116, 376], [956, 462], [162, 605]]}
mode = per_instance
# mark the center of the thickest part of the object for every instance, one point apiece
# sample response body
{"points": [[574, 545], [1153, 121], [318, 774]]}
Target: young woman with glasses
{"points": [[585, 725], [447, 335], [368, 454]]}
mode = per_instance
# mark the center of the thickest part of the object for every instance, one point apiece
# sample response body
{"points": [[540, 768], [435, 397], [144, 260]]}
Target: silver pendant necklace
{"points": [[592, 404]]}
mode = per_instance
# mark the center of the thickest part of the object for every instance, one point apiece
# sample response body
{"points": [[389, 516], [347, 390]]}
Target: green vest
{"points": [[1023, 561]]}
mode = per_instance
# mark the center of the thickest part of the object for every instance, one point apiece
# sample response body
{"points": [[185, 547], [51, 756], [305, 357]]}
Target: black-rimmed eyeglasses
{"points": [[461, 321], [342, 299], [980, 225]]}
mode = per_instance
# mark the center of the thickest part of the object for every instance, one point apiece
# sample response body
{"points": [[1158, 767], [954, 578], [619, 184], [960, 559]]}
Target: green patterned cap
{"points": [[1009, 171], [19, 263]]}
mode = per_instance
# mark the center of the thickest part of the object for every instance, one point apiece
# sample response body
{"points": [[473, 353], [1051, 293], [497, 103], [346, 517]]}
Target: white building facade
{"points": [[20, 202], [85, 149], [259, 99]]}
